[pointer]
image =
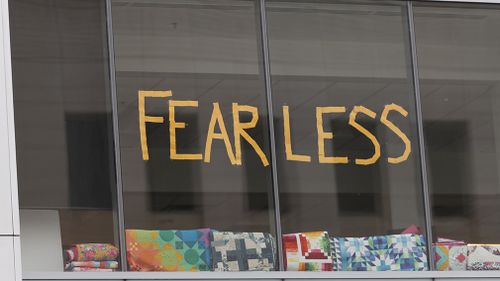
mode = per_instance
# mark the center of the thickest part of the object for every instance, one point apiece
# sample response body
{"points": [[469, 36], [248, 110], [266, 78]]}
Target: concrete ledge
{"points": [[425, 275]]}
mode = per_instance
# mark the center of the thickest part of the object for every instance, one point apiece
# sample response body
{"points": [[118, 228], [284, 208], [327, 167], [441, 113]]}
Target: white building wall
{"points": [[10, 268]]}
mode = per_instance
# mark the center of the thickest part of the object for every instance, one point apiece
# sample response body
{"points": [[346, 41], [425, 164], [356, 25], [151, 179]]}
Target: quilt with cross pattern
{"points": [[244, 251]]}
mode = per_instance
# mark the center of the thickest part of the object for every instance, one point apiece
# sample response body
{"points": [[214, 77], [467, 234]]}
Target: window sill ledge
{"points": [[423, 275]]}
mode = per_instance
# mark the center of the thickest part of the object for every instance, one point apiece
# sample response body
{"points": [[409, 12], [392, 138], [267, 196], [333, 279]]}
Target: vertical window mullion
{"points": [[272, 135], [118, 211], [420, 132]]}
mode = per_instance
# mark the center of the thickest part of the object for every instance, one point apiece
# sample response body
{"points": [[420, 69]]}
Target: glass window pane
{"points": [[63, 128], [459, 59], [347, 144], [202, 160]]}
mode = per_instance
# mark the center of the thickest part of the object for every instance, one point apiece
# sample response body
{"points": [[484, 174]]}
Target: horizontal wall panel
{"points": [[7, 268]]}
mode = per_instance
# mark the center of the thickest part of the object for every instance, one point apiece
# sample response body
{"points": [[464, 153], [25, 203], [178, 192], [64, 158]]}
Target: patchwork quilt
{"points": [[169, 250], [92, 264], [450, 255], [92, 252], [401, 252], [244, 251], [483, 257], [307, 251]]}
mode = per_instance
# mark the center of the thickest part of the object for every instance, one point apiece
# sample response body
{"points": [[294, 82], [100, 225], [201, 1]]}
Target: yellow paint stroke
{"points": [[397, 131], [143, 118], [288, 139], [364, 131], [322, 135], [239, 131], [211, 135], [172, 104]]}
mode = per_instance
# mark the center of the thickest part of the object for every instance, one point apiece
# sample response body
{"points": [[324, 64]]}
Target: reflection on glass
{"points": [[63, 130], [459, 60], [202, 160], [345, 124]]}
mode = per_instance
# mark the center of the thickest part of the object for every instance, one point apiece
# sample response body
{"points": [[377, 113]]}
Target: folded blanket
{"points": [[412, 229], [244, 251], [476, 266], [450, 255], [448, 240], [92, 264], [307, 251], [169, 250], [92, 252], [483, 257], [401, 252], [91, 269]]}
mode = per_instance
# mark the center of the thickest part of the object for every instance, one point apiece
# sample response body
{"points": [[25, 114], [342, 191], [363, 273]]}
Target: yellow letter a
{"points": [[211, 135]]}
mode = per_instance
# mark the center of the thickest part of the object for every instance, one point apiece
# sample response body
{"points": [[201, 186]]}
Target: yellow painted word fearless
{"points": [[240, 131]]}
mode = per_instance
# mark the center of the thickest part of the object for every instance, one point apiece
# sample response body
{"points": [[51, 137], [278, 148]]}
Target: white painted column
{"points": [[10, 268]]}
